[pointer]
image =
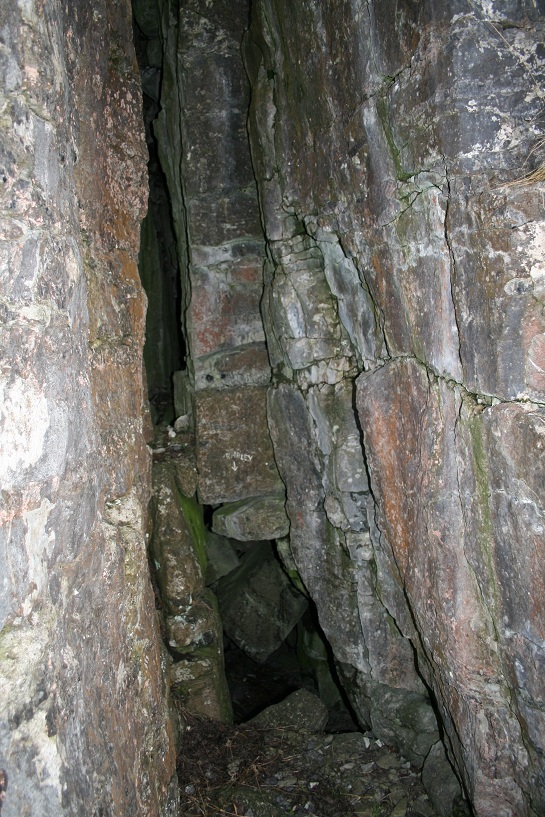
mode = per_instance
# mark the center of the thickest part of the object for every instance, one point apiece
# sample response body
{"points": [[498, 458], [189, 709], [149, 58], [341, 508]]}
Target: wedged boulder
{"points": [[404, 719], [442, 785], [257, 518], [259, 606], [174, 545], [194, 635], [234, 451], [302, 710], [221, 557]]}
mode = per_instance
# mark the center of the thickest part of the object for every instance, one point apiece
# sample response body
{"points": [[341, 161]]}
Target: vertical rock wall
{"points": [[83, 721], [405, 272], [204, 151]]}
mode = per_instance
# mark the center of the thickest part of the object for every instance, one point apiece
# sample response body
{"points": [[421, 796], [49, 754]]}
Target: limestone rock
{"points": [[259, 606], [259, 518]]}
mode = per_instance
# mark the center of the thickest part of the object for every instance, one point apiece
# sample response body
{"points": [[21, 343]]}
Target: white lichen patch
{"points": [[39, 543], [24, 421], [126, 511], [534, 250], [22, 674]]}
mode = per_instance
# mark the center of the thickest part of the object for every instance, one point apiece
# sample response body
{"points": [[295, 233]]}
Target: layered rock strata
{"points": [[83, 723]]}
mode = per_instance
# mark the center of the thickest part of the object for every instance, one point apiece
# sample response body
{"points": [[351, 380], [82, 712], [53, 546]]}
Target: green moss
{"points": [[193, 514], [382, 111]]}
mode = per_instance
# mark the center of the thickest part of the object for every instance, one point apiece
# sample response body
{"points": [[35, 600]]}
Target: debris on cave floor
{"points": [[259, 769]]}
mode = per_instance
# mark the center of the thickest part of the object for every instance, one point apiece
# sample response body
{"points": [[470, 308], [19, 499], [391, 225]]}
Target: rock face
{"points": [[203, 148], [83, 722], [405, 272], [365, 329], [193, 630]]}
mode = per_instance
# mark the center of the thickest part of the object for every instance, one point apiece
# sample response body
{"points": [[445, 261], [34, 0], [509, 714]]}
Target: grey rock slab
{"points": [[258, 518], [234, 450], [221, 557], [302, 710], [259, 605], [440, 782]]}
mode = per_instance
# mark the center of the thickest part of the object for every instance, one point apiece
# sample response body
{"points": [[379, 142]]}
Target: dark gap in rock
{"points": [[254, 686], [207, 511], [303, 659], [165, 347]]}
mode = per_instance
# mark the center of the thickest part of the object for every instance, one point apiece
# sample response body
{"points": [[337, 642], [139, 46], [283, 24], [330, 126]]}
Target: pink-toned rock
{"points": [[451, 499]]}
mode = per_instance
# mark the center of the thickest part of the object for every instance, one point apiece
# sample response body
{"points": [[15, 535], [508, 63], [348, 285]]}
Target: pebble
{"points": [[400, 809], [389, 761]]}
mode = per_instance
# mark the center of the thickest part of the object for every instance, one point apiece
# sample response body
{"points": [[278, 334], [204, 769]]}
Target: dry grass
{"points": [[534, 176]]}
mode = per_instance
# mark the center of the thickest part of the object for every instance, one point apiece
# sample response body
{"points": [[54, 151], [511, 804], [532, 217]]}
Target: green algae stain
{"points": [[382, 112], [193, 514]]}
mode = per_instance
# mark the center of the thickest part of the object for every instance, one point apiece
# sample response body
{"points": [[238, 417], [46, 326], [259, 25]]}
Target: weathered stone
{"points": [[440, 782], [260, 518], [81, 657], [444, 545], [200, 686], [234, 450], [338, 567], [196, 627], [224, 308], [302, 710], [193, 630], [375, 150], [244, 366], [259, 606], [221, 557], [178, 540], [404, 719]]}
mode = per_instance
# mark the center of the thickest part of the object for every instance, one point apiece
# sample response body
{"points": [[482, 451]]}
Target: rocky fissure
{"points": [[340, 487]]}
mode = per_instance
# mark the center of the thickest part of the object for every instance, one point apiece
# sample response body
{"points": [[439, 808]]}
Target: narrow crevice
{"points": [[165, 346]]}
